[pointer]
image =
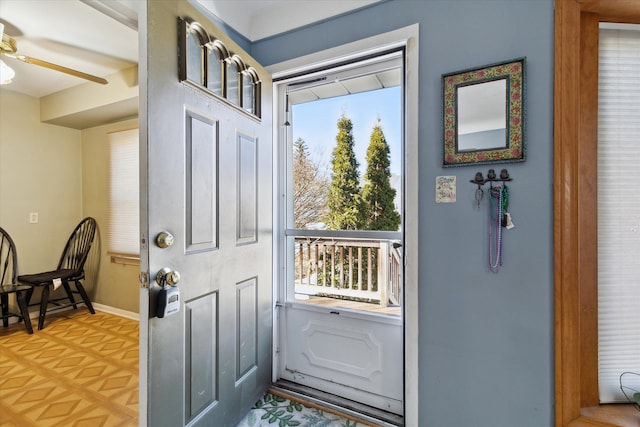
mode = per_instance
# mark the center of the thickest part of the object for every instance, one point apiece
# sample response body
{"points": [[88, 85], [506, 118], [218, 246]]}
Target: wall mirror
{"points": [[483, 112]]}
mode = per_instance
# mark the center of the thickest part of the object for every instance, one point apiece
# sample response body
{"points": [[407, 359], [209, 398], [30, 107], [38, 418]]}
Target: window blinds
{"points": [[124, 218], [618, 213]]}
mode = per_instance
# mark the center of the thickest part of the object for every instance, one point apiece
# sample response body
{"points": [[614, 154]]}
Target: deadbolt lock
{"points": [[164, 239]]}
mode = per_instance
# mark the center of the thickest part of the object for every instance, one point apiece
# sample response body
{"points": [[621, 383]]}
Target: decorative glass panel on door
{"points": [[215, 71], [248, 92], [233, 75], [195, 55]]}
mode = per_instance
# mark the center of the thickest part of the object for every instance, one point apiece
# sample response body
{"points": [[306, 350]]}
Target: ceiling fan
{"points": [[9, 48]]}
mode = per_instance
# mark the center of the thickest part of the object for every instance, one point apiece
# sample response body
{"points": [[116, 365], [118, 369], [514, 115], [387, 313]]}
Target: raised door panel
{"points": [[350, 356]]}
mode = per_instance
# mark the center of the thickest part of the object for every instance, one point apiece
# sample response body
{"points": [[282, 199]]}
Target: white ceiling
{"points": [[74, 34], [259, 19], [67, 33]]}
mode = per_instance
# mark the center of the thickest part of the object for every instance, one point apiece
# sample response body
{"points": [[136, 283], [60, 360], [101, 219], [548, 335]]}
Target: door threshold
{"points": [[368, 414]]}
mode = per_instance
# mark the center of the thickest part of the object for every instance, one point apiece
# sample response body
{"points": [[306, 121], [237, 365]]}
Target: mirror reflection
{"points": [[482, 116]]}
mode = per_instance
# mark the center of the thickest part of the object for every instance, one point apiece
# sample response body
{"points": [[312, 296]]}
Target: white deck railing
{"points": [[355, 269]]}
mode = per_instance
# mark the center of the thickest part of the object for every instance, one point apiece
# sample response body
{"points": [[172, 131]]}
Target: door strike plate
{"points": [[144, 279]]}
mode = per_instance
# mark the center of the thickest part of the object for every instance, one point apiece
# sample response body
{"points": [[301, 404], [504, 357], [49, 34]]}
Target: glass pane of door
{"points": [[345, 192]]}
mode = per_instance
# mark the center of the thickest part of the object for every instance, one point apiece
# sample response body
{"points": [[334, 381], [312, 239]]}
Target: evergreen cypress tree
{"points": [[378, 194], [346, 210]]}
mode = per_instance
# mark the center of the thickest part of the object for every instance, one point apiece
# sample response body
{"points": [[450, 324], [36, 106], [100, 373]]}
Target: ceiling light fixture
{"points": [[6, 73], [8, 47]]}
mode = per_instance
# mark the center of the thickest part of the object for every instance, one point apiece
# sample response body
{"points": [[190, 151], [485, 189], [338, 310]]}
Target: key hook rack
{"points": [[498, 209], [491, 177], [479, 180]]}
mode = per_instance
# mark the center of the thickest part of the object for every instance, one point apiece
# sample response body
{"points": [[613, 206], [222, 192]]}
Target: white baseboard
{"points": [[100, 307], [116, 311]]}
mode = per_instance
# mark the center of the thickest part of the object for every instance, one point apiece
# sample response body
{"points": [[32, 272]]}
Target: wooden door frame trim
{"points": [[575, 191]]}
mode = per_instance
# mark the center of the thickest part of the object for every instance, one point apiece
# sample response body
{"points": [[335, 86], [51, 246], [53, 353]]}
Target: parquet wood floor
{"points": [[80, 370]]}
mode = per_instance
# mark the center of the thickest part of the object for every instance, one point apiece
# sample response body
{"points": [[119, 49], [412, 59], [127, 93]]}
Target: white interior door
{"points": [[206, 180]]}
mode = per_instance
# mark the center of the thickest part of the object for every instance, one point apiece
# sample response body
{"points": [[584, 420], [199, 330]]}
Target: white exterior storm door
{"points": [[341, 294], [206, 213]]}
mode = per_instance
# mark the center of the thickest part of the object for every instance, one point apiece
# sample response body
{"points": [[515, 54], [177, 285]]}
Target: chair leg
{"points": [[24, 310], [4, 301], [67, 289], [85, 296], [29, 295], [43, 306]]}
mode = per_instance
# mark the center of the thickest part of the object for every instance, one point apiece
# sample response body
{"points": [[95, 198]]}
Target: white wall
{"points": [[63, 175], [40, 171]]}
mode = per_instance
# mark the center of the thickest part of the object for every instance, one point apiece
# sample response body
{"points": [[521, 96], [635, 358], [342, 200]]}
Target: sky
{"points": [[316, 123]]}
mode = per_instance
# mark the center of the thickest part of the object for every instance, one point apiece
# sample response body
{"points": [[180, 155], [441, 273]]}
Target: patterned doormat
{"points": [[275, 410]]}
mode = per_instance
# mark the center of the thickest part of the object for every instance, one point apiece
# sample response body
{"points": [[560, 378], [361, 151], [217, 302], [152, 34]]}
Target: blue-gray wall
{"points": [[486, 340]]}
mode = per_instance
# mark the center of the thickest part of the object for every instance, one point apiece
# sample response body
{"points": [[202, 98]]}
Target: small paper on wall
{"points": [[446, 189]]}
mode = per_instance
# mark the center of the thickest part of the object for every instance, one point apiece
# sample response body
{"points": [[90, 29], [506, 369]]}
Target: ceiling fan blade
{"points": [[60, 68]]}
